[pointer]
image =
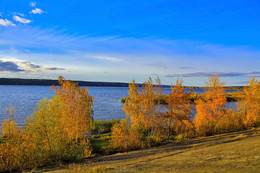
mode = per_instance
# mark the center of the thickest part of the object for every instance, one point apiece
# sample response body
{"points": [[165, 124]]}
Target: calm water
{"points": [[107, 104]]}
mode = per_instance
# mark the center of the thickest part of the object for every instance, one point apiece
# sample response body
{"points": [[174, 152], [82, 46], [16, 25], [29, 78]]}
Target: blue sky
{"points": [[101, 40]]}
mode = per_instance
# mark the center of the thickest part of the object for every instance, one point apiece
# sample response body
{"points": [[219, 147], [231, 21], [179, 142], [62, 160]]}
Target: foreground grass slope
{"points": [[233, 152]]}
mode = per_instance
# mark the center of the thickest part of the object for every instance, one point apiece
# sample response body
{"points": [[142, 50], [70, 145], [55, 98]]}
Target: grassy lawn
{"points": [[233, 152]]}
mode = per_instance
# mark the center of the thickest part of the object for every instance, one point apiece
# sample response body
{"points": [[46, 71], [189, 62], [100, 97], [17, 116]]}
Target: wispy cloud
{"points": [[207, 74], [106, 58], [21, 20], [37, 11], [184, 68], [53, 68], [1, 14], [32, 4], [28, 66], [6, 22], [19, 14]]}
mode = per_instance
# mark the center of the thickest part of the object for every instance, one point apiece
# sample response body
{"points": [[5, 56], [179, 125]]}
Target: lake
{"points": [[24, 99]]}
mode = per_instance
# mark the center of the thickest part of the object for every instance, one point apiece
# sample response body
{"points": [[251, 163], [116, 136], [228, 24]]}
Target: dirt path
{"points": [[221, 153]]}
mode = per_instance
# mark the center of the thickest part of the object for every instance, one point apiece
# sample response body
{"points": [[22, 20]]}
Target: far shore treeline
{"points": [[62, 128], [50, 82]]}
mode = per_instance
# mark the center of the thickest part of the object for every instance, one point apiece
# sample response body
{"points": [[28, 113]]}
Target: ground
{"points": [[233, 152]]}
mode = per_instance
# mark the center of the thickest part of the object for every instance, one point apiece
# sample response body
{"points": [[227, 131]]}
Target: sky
{"points": [[121, 41]]}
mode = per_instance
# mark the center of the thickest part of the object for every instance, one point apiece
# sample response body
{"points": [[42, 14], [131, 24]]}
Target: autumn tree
{"points": [[147, 111], [251, 103], [140, 108], [57, 129], [128, 133], [132, 104], [178, 115], [79, 106], [210, 110]]}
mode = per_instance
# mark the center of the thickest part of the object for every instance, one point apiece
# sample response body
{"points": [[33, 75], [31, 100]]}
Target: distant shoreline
{"points": [[50, 82]]}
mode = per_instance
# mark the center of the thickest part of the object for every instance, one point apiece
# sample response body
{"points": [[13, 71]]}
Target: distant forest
{"points": [[49, 82]]}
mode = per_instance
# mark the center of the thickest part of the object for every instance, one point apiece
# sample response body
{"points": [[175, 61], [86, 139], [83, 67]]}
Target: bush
{"points": [[125, 137]]}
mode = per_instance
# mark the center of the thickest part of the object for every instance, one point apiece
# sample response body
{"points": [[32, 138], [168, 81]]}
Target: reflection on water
{"points": [[107, 104]]}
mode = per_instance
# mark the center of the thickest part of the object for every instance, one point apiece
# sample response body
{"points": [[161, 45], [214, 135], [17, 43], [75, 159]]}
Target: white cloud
{"points": [[37, 11], [32, 4], [6, 22], [22, 20]]}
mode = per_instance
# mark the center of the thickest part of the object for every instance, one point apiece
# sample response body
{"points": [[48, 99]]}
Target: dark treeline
{"points": [[50, 82]]}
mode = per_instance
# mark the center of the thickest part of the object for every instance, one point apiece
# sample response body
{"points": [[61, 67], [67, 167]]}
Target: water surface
{"points": [[24, 99]]}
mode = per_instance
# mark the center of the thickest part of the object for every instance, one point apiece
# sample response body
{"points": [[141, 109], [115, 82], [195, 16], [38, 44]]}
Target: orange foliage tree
{"points": [[132, 104], [57, 129], [79, 106], [178, 116], [251, 103], [147, 112], [212, 109], [140, 105], [140, 108]]}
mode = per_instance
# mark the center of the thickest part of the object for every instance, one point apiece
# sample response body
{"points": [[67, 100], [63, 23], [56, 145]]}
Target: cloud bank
{"points": [[17, 65], [8, 66]]}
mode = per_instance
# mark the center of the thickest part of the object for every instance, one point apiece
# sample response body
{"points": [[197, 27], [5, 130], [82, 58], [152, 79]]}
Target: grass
{"points": [[99, 142], [232, 152]]}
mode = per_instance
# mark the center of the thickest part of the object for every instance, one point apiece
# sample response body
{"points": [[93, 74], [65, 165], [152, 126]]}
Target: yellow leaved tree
{"points": [[251, 103], [210, 110], [140, 124], [58, 128], [178, 116]]}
